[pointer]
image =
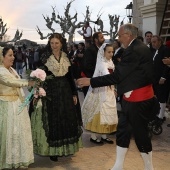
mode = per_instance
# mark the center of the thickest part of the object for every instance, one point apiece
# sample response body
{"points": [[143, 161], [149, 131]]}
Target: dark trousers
{"points": [[162, 91], [135, 117], [25, 65], [31, 66]]}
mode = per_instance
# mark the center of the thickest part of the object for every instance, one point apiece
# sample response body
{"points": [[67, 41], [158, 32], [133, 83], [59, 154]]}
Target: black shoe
{"points": [[97, 141], [107, 140], [168, 125], [54, 158]]}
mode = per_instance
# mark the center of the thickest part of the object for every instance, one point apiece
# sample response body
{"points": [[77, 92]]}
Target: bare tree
{"points": [[3, 30], [99, 23], [69, 24], [114, 21], [49, 23], [41, 34], [88, 14], [17, 36]]}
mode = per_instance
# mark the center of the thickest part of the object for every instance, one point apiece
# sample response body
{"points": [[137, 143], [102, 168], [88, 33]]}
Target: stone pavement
{"points": [[94, 157]]}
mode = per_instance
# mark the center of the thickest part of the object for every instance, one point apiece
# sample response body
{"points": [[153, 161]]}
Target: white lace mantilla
{"points": [[58, 68], [102, 99]]}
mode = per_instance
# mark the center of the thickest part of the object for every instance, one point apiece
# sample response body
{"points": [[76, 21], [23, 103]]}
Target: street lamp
{"points": [[129, 11]]}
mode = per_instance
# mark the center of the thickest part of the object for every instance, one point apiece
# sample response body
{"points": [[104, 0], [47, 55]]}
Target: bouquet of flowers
{"points": [[37, 91]]}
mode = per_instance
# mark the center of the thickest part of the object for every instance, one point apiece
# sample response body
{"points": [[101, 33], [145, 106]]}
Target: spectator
{"points": [[161, 73], [19, 61]]}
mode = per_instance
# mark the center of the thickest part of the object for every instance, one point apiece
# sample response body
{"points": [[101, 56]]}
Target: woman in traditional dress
{"points": [[56, 120], [99, 112], [16, 148]]}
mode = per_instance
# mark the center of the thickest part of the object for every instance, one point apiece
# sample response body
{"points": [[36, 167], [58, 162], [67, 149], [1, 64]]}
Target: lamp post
{"points": [[129, 11]]}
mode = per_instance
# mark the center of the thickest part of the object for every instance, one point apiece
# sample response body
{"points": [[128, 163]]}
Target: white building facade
{"points": [[148, 14]]}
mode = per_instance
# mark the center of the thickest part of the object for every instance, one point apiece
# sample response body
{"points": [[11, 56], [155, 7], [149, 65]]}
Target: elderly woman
{"points": [[16, 148]]}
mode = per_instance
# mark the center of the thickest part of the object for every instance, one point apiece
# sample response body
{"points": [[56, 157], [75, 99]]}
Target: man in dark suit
{"points": [[90, 57], [148, 37], [133, 75], [118, 51], [161, 74]]}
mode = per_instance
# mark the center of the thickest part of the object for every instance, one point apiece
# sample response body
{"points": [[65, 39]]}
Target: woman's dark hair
{"points": [[107, 45], [5, 50], [48, 50], [61, 39]]}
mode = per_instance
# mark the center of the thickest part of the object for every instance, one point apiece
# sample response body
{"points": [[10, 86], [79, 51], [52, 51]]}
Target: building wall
{"points": [[147, 15], [137, 16]]}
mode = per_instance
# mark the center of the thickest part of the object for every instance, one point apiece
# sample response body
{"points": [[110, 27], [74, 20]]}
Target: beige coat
{"points": [[10, 85]]}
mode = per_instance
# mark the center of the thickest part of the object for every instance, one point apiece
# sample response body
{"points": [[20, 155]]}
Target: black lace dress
{"points": [[56, 122]]}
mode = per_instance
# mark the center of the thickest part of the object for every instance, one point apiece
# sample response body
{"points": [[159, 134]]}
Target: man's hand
{"points": [[83, 82], [31, 83], [75, 100], [162, 81]]}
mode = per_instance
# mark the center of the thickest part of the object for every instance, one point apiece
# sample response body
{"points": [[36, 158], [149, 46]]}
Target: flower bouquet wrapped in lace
{"points": [[37, 91]]}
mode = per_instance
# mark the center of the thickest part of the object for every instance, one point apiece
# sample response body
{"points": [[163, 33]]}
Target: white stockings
{"points": [[120, 156], [147, 158]]}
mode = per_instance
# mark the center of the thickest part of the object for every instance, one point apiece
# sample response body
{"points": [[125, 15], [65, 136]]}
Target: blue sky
{"points": [[27, 14]]}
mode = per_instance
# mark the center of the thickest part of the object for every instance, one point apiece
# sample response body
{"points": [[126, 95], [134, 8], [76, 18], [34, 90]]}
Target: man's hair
{"points": [[158, 38], [76, 46], [131, 28], [96, 35], [118, 43], [19, 48], [82, 44], [89, 42], [140, 38], [148, 32]]}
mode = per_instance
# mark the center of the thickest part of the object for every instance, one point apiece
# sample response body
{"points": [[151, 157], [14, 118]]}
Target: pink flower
{"points": [[38, 73], [42, 92]]}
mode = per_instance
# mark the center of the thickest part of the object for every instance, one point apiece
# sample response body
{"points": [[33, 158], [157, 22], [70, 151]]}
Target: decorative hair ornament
{"points": [[1, 55]]}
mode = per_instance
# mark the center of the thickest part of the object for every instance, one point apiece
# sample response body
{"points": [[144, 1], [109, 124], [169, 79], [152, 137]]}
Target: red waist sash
{"points": [[140, 94]]}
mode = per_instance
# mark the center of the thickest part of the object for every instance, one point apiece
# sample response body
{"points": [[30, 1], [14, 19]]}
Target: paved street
{"points": [[93, 157]]}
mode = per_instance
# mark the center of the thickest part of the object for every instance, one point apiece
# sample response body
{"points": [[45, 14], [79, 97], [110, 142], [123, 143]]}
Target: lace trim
{"points": [[56, 67]]}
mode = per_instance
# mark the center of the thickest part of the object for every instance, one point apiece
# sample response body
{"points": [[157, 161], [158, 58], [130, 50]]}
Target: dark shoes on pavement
{"points": [[96, 141], [54, 158], [102, 141], [107, 140]]}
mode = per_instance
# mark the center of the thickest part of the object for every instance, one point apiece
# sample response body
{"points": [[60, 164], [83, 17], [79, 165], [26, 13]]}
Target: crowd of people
{"points": [[26, 58], [131, 71]]}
